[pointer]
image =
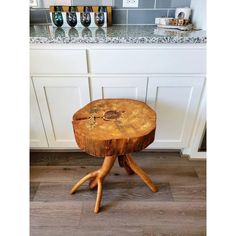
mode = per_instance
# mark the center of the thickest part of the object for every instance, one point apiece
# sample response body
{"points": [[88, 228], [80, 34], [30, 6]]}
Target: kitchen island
{"points": [[71, 67]]}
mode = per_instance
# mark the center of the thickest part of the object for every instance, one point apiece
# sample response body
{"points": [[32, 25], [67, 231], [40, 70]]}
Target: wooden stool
{"points": [[113, 128]]}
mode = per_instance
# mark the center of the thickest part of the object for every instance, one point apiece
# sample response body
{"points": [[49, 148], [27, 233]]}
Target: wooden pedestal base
{"points": [[97, 177]]}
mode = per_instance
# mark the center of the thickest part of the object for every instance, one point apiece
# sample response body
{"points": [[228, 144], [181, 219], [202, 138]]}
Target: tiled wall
{"points": [[147, 11], [144, 14]]}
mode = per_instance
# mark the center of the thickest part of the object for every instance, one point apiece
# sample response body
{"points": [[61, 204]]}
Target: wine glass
{"points": [[99, 19], [71, 16], [103, 9], [85, 16], [57, 16]]}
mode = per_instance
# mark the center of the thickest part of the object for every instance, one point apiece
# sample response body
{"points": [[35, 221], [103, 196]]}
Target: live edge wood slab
{"points": [[113, 128]]}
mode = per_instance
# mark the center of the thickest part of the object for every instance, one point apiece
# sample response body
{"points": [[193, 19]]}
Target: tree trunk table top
{"points": [[109, 127]]}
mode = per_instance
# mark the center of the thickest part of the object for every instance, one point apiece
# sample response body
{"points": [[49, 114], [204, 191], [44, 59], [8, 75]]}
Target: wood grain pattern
{"points": [[86, 231], [55, 213], [108, 127], [189, 192], [164, 214], [67, 174], [116, 190], [129, 207], [33, 189], [77, 158]]}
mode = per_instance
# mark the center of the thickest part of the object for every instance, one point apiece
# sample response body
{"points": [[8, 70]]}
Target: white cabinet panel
{"points": [[176, 100], [119, 87], [57, 61], [162, 60], [59, 98], [37, 133]]}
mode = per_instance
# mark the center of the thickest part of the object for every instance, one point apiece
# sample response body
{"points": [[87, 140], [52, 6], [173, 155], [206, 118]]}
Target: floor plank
{"points": [[112, 192], [86, 231], [72, 174], [189, 192], [33, 189], [128, 207], [201, 172], [161, 214], [55, 213], [63, 159]]}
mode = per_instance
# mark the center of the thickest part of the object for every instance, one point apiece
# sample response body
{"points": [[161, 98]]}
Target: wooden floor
{"points": [[128, 206]]}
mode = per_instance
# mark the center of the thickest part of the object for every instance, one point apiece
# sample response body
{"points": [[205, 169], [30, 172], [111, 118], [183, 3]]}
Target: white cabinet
{"points": [[169, 78], [163, 59], [59, 98], [37, 133], [176, 100], [119, 87], [58, 61]]}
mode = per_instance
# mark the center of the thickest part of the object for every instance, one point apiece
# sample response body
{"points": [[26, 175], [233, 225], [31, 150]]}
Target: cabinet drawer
{"points": [[179, 60], [58, 61]]}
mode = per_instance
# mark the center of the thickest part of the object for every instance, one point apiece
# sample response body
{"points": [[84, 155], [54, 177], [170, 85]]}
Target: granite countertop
{"points": [[148, 34]]}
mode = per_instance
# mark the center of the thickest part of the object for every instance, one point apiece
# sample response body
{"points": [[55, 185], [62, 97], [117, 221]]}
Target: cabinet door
{"points": [[59, 98], [119, 87], [37, 133], [176, 100], [149, 60]]}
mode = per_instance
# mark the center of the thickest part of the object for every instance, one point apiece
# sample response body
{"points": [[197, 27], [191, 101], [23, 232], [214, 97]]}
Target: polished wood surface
{"points": [[111, 128], [108, 127], [129, 208]]}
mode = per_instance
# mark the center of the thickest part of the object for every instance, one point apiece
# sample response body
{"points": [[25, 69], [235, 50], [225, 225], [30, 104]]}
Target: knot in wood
{"points": [[110, 115]]}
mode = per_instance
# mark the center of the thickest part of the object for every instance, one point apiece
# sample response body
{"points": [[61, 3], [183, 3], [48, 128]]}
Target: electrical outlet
{"points": [[130, 3], [33, 3]]}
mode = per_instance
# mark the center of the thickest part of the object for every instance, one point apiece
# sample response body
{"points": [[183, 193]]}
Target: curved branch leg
{"points": [[97, 179], [124, 164], [99, 196], [81, 181], [141, 173]]}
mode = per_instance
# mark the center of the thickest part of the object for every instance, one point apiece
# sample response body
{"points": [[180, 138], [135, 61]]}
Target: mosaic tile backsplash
{"points": [[145, 14]]}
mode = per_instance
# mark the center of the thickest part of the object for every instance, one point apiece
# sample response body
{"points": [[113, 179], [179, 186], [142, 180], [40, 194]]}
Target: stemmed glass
{"points": [[57, 16], [99, 19], [71, 16], [85, 16]]}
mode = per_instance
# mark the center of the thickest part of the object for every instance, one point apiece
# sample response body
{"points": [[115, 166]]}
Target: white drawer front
{"points": [[58, 62], [164, 60]]}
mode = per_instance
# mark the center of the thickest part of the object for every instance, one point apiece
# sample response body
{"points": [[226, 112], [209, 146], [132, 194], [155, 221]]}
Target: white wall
{"points": [[199, 13]]}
